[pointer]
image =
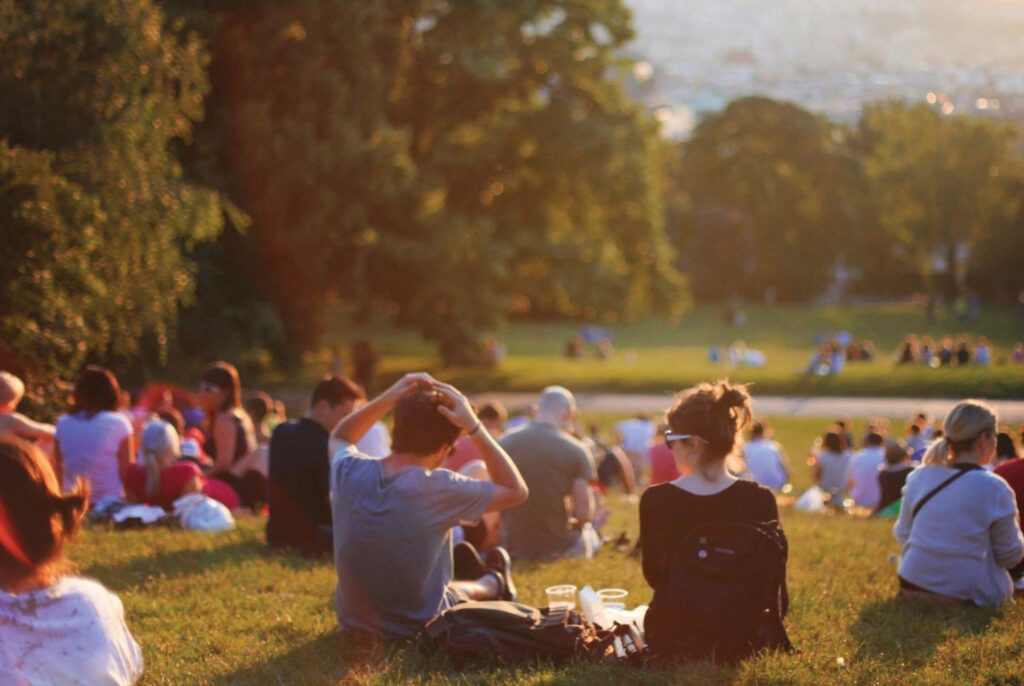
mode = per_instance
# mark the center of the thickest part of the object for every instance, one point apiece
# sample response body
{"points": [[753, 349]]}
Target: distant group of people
{"points": [[432, 514], [946, 352]]}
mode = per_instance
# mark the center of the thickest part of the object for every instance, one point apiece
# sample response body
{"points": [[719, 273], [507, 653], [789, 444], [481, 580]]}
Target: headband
{"points": [[9, 540]]}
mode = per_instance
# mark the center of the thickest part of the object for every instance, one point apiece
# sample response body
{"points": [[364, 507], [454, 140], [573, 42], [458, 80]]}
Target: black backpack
{"points": [[492, 631], [726, 594]]}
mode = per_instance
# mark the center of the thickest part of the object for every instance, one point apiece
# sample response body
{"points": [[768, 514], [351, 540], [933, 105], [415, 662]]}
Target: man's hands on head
{"points": [[458, 410], [410, 383]]}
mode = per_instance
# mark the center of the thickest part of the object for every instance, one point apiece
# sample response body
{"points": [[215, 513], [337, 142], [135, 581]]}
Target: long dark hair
{"points": [[224, 376], [95, 391]]}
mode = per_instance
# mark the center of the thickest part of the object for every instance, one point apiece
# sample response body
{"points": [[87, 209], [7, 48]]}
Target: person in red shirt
{"points": [[1012, 472], [158, 479], [663, 463]]}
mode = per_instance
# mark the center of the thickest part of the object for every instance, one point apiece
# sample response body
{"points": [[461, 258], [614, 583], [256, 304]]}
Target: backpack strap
{"points": [[934, 491]]}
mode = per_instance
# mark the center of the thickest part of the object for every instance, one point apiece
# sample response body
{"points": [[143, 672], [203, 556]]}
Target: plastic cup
{"points": [[613, 598], [561, 597]]}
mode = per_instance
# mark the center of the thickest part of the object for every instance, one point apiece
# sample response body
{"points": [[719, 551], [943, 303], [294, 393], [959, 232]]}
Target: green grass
{"points": [[673, 355], [224, 609]]}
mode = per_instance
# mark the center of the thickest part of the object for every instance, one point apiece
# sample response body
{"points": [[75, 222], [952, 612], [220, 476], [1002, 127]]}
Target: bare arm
{"points": [[125, 455], [626, 467], [224, 436], [353, 427], [582, 501], [24, 427], [509, 487]]}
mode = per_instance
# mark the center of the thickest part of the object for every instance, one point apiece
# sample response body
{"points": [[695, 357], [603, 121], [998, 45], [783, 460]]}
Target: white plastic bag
{"points": [[201, 513], [811, 500]]}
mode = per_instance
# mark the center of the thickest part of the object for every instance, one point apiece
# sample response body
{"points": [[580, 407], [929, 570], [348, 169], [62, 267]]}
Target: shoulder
{"points": [[753, 490], [114, 419], [655, 495], [86, 596]]}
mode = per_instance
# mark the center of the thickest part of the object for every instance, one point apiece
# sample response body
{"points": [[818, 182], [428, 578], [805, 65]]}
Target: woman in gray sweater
{"points": [[962, 540]]}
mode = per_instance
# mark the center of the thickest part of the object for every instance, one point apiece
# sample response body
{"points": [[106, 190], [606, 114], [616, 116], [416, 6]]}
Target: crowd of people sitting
{"points": [[949, 351], [432, 514]]}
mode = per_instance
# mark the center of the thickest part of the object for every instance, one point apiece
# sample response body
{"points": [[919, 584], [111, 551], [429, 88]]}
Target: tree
{"points": [[441, 161], [97, 215], [939, 183], [786, 189]]}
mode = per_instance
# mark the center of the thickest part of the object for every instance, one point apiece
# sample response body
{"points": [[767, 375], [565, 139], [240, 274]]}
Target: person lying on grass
{"points": [[392, 518], [54, 628], [958, 523]]}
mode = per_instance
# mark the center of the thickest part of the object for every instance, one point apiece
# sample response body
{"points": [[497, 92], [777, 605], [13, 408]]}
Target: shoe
{"points": [[466, 562], [500, 564]]}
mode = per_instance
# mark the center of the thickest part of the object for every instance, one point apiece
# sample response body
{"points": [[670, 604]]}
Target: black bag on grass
{"points": [[500, 631], [726, 595]]}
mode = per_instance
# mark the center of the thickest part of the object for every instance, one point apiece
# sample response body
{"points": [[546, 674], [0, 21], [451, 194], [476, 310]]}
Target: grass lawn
{"points": [[672, 355], [223, 609]]}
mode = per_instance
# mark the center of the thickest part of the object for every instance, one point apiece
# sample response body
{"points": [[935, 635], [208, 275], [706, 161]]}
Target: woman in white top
{"points": [[959, 542], [54, 629], [94, 441]]}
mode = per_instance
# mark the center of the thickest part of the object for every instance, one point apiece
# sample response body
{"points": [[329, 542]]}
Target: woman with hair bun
{"points": [[54, 628], [958, 524], [704, 427]]}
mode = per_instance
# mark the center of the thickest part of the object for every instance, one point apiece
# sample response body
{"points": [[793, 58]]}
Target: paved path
{"points": [[1010, 411]]}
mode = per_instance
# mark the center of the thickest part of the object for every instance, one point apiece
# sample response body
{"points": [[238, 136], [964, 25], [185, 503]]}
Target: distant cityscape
{"points": [[961, 56]]}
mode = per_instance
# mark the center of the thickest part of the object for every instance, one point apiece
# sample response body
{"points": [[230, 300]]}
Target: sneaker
{"points": [[466, 562], [500, 564]]}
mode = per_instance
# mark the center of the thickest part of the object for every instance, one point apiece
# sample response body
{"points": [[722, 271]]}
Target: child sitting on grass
{"points": [[11, 422], [54, 628]]}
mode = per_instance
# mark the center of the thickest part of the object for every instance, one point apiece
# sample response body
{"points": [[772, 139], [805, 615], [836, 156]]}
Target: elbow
{"points": [[522, 493]]}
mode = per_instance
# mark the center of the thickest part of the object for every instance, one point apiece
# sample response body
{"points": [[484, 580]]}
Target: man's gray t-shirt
{"points": [[393, 543], [550, 460]]}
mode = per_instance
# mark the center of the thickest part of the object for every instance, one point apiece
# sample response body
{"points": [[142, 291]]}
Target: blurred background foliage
{"points": [[199, 179]]}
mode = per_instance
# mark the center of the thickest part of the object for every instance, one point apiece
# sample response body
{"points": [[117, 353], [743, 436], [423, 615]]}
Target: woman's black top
{"points": [[891, 482], [668, 513]]}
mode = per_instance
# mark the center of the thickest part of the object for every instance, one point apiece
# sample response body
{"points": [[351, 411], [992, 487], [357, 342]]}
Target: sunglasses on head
{"points": [[669, 437], [205, 387]]}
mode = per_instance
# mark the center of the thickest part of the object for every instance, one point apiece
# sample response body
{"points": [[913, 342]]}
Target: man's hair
{"points": [[493, 410], [757, 429], [420, 429], [11, 389], [336, 390], [895, 452], [96, 390], [833, 440], [874, 438]]}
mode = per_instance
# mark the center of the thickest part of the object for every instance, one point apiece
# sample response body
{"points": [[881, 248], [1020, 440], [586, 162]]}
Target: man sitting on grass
{"points": [[393, 517], [558, 468]]}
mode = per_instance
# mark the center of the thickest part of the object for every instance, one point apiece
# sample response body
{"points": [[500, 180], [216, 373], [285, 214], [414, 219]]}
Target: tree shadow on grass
{"points": [[175, 564], [912, 629]]}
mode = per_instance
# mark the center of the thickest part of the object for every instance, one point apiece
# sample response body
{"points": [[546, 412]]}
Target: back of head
{"points": [[419, 428], [35, 519], [717, 412], [11, 390], [895, 452], [556, 404], [96, 390], [336, 390], [963, 426], [757, 430], [1006, 449], [224, 376], [258, 405], [160, 447], [873, 439], [493, 411], [833, 441]]}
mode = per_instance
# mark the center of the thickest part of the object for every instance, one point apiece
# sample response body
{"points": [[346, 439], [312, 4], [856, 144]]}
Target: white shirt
{"points": [[70, 633], [962, 541], [764, 463], [89, 447], [863, 471], [636, 434], [376, 442]]}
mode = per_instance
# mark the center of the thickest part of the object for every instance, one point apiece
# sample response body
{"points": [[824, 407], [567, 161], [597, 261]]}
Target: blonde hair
{"points": [[160, 448], [964, 424], [11, 390]]}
